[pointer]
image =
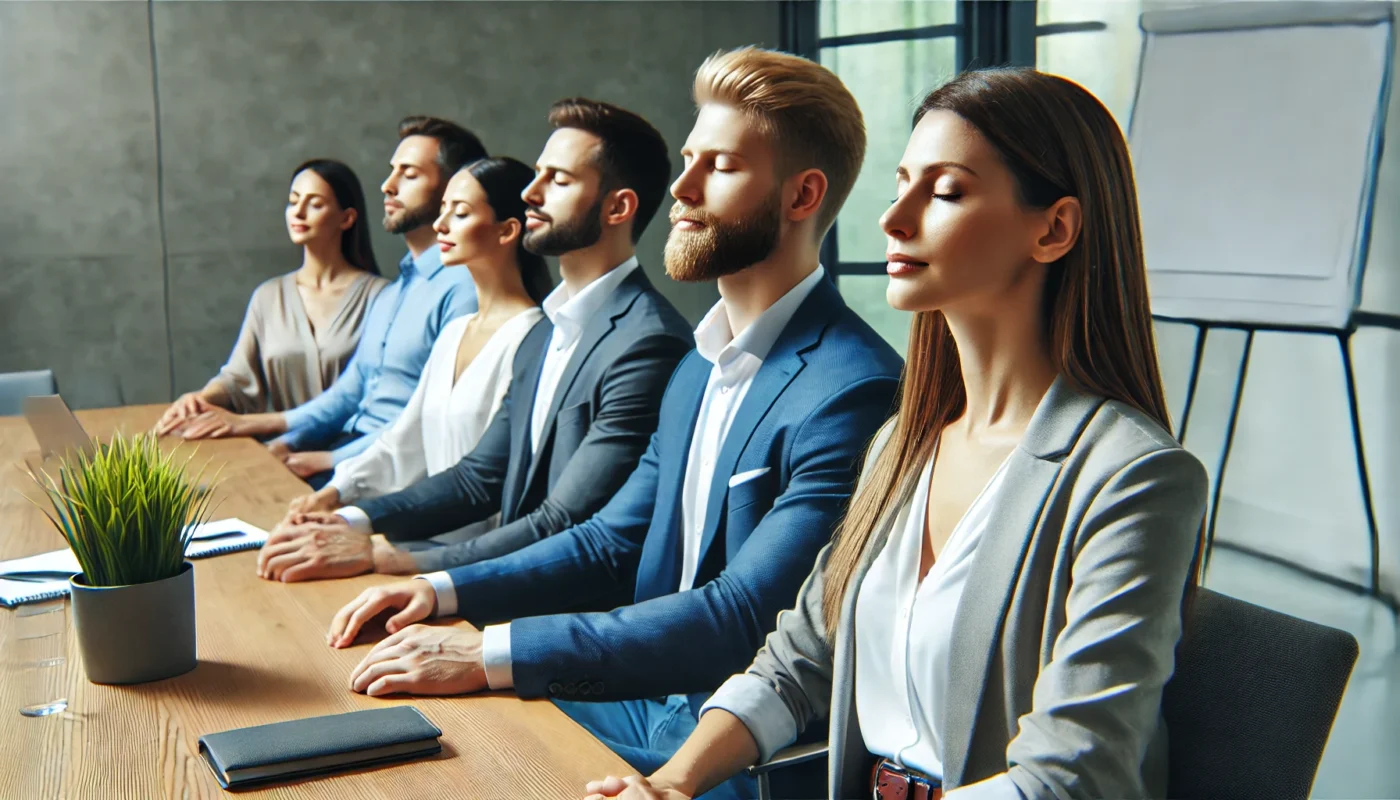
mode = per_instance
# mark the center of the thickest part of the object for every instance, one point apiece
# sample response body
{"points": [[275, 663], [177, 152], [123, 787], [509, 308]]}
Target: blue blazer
{"points": [[825, 388]]}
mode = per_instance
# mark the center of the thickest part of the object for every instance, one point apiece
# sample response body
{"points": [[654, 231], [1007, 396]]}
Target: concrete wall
{"points": [[245, 92]]}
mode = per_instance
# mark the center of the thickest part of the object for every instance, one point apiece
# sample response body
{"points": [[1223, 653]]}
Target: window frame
{"points": [[986, 33]]}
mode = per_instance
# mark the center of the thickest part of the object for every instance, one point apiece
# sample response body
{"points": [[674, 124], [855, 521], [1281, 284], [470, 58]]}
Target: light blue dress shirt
{"points": [[395, 342]]}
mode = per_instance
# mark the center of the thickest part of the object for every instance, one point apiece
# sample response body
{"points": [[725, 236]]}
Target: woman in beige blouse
{"points": [[301, 328]]}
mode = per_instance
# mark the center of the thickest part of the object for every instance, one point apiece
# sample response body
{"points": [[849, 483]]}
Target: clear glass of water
{"points": [[39, 649]]}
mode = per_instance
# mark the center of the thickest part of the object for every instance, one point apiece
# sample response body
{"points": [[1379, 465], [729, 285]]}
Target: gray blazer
{"points": [[1066, 632]]}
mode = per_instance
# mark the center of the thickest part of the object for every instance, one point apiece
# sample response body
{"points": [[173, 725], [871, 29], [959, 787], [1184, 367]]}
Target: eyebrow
{"points": [[715, 151], [904, 173], [550, 168]]}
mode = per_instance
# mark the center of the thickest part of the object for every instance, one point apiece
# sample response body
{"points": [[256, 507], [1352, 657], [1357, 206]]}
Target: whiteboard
{"points": [[1256, 135]]}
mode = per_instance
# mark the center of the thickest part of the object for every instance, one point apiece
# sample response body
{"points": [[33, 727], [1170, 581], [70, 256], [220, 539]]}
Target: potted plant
{"points": [[128, 511]]}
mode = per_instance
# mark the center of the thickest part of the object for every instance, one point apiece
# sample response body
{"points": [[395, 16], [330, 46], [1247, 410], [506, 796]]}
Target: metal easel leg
{"points": [[1225, 452], [1344, 342]]}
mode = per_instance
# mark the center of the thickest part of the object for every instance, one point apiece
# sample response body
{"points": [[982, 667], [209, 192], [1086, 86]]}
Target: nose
{"points": [[299, 210], [440, 225], [532, 195], [900, 221], [390, 187], [687, 187]]}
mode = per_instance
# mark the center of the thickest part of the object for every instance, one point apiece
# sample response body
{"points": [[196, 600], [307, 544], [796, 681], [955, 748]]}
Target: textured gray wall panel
{"points": [[247, 91]]}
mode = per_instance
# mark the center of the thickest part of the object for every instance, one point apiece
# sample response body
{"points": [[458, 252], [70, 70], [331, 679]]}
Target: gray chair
{"points": [[1248, 711], [15, 386], [1253, 700]]}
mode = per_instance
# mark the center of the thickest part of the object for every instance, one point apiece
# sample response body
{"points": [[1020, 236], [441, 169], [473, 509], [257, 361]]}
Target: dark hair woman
{"points": [[300, 329], [480, 227]]}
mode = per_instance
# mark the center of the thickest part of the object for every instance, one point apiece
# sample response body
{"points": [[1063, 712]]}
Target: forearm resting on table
{"points": [[717, 750], [268, 424], [215, 393]]}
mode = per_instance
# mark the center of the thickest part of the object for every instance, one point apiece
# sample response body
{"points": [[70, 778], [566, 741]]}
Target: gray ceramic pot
{"points": [[138, 633]]}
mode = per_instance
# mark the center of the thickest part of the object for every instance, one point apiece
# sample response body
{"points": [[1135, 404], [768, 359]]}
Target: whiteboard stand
{"points": [[1222, 155]]}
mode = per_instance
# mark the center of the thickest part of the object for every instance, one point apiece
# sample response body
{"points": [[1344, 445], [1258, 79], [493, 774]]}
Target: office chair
{"points": [[1248, 711], [15, 386]]}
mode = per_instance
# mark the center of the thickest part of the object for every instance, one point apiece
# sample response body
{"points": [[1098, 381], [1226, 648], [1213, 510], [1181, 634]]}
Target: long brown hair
{"points": [[1058, 141]]}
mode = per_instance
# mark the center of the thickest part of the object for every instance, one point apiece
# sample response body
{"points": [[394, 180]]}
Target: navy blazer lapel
{"points": [[803, 332], [676, 432], [597, 329], [522, 407]]}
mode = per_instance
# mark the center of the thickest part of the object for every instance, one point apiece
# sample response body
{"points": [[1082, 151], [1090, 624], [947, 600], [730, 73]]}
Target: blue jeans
{"points": [[646, 733]]}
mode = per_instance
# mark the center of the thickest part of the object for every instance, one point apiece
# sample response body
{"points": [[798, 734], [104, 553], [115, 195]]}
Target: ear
{"points": [[348, 221], [621, 207], [1062, 223], [806, 190], [510, 232]]}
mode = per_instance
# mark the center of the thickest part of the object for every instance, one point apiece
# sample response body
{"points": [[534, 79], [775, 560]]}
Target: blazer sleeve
{"points": [[1097, 703], [649, 649], [468, 492], [789, 683], [592, 565], [628, 411]]}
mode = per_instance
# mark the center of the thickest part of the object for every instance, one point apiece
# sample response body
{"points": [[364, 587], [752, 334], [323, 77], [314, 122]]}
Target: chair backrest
{"points": [[15, 386], [1252, 703]]}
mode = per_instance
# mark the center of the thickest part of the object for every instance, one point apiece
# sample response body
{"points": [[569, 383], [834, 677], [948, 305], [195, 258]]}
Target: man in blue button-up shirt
{"points": [[399, 330]]}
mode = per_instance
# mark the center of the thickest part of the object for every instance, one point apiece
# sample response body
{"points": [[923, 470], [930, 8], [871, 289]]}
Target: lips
{"points": [[897, 264], [300, 228], [445, 245]]}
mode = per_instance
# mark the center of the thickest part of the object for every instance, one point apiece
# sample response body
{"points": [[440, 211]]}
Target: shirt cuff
{"points": [[999, 787], [446, 593], [357, 519], [495, 656], [344, 484], [296, 418], [757, 705]]}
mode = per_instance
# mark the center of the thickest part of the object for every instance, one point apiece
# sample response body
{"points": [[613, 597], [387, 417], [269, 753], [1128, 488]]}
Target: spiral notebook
{"points": [[210, 539]]}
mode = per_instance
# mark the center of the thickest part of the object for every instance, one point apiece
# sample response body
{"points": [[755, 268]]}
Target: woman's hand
{"points": [[325, 499], [185, 408], [304, 465], [634, 787]]}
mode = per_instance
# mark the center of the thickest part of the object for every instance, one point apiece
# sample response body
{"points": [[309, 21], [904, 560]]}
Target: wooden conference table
{"points": [[262, 658]]}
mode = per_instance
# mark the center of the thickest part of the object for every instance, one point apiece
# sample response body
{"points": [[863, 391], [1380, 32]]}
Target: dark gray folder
{"points": [[318, 745]]}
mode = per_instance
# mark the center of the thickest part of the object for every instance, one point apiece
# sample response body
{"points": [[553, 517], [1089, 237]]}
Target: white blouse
{"points": [[904, 631], [443, 420]]}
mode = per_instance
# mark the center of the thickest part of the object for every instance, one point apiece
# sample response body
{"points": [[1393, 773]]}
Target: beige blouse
{"points": [[279, 361]]}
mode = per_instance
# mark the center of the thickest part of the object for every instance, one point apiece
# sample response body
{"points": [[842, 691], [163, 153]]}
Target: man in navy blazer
{"points": [[673, 586]]}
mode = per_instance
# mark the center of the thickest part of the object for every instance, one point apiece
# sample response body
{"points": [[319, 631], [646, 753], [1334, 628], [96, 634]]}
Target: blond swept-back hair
{"points": [[801, 106]]}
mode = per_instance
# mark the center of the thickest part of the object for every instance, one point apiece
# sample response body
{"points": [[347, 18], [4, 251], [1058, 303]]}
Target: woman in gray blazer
{"points": [[998, 613]]}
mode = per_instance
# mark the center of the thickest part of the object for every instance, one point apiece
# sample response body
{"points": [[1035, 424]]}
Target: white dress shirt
{"points": [[904, 631], [444, 418], [569, 313], [735, 360]]}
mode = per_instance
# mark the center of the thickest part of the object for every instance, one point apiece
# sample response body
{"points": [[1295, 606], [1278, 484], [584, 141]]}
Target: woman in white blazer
{"points": [[469, 370], [998, 614]]}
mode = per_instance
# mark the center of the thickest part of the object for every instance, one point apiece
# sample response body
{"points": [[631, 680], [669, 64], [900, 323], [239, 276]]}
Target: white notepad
{"points": [[210, 539]]}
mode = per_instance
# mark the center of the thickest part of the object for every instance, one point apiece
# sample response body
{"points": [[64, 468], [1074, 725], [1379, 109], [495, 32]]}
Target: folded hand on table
{"points": [[413, 600], [634, 787], [314, 546], [314, 462], [216, 423], [186, 407], [325, 499], [425, 660]]}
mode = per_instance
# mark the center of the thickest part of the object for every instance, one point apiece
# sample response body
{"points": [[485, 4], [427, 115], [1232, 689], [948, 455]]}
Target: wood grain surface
{"points": [[262, 658]]}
